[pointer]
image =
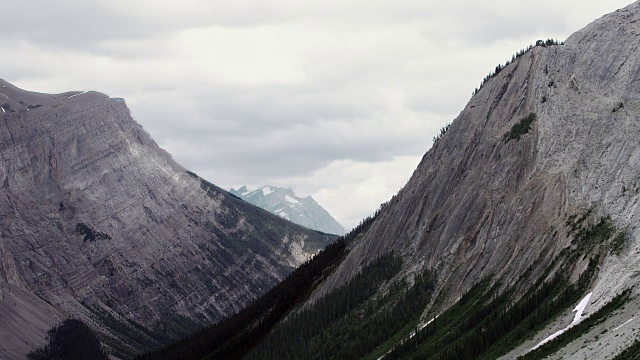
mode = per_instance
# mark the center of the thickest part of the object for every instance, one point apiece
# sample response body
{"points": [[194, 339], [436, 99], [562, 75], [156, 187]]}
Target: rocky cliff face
{"points": [[479, 205], [284, 203], [98, 222]]}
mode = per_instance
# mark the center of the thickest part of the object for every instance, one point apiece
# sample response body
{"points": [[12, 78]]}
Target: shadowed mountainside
{"points": [[98, 223]]}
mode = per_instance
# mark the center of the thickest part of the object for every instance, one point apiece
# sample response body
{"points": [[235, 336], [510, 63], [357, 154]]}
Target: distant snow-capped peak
{"points": [[286, 204]]}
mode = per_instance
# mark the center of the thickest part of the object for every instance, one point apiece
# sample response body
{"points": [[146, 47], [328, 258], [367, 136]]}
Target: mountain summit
{"points": [[99, 223], [284, 203]]}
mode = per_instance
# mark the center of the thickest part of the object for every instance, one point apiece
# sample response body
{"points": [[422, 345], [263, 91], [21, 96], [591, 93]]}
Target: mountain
{"points": [[516, 236], [284, 203], [100, 224]]}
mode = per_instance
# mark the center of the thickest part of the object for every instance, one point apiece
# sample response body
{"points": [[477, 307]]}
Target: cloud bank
{"points": [[338, 100]]}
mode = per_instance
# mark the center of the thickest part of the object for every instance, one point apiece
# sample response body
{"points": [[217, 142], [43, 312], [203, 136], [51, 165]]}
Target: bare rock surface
{"points": [[478, 205], [98, 222]]}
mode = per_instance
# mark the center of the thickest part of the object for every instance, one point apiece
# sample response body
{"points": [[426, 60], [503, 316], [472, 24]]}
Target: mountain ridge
{"points": [[499, 207], [508, 89], [98, 222], [286, 204]]}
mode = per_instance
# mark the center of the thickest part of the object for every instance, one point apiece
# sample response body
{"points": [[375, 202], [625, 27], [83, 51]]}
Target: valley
{"points": [[516, 237]]}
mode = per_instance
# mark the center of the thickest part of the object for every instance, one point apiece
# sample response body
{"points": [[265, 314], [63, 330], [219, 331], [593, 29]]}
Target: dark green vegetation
{"points": [[500, 67], [577, 330], [351, 322], [71, 340], [29, 106], [354, 322], [486, 324], [164, 332], [91, 234], [223, 243], [443, 130], [630, 353], [376, 314], [618, 243], [619, 106], [593, 241], [548, 42], [520, 128], [602, 235], [235, 335]]}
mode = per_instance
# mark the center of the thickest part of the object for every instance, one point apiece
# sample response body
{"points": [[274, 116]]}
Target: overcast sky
{"points": [[335, 99]]}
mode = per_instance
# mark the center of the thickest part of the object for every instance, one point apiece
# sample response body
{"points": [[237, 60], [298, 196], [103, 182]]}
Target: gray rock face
{"points": [[284, 203], [477, 205], [98, 222]]}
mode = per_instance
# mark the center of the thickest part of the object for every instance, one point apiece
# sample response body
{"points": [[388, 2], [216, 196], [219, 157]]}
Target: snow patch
{"points": [[250, 193], [422, 327], [4, 95], [623, 324], [291, 200], [576, 319], [266, 190], [2, 109], [427, 323]]}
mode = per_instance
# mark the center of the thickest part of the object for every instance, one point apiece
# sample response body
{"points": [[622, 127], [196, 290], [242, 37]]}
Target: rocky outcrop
{"points": [[480, 204], [284, 203], [98, 222]]}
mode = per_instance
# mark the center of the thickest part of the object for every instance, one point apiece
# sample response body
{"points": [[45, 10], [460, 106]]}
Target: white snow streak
{"points": [[576, 319], [291, 200], [4, 95], [84, 92], [623, 324], [2, 109], [422, 327], [266, 191], [413, 333], [428, 322], [250, 192]]}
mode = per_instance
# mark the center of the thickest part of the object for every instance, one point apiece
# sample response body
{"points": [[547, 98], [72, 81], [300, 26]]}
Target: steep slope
{"points": [[517, 235], [482, 204], [284, 203], [478, 204], [98, 222]]}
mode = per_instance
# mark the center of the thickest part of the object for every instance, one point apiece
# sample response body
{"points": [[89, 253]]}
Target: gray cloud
{"points": [[339, 100]]}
